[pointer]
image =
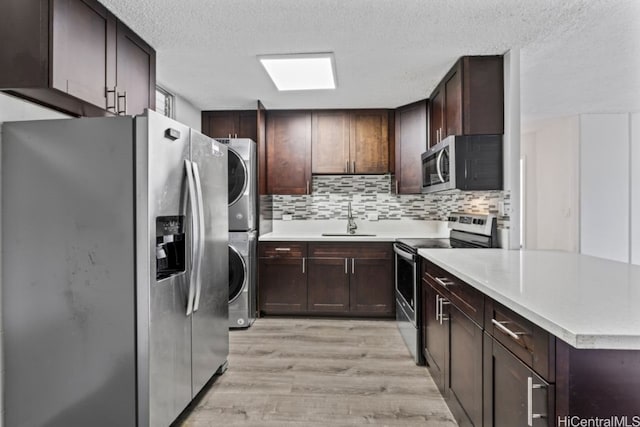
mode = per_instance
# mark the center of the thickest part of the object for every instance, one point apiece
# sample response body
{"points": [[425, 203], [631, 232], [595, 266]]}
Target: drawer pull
{"points": [[283, 249], [530, 387], [444, 281], [304, 265], [500, 325]]}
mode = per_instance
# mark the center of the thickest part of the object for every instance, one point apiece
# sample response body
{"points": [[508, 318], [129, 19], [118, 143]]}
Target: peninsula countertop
{"points": [[585, 301]]}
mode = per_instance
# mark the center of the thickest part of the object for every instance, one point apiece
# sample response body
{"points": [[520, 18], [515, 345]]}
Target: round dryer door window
{"points": [[237, 177], [237, 274]]}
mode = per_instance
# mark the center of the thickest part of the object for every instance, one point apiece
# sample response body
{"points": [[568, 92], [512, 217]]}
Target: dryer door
{"points": [[237, 274], [238, 177]]}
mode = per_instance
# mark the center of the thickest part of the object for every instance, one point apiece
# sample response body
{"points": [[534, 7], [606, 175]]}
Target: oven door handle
{"points": [[404, 254]]}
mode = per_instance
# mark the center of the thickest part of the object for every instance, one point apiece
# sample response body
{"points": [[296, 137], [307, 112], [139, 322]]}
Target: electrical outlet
{"points": [[287, 217]]}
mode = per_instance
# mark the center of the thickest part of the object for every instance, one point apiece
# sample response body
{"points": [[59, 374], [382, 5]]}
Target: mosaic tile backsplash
{"points": [[370, 194]]}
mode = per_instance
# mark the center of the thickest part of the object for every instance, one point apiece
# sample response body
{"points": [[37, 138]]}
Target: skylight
{"points": [[301, 71]]}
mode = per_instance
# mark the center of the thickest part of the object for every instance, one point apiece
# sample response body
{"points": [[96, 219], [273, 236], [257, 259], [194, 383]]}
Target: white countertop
{"points": [[385, 231], [587, 302]]}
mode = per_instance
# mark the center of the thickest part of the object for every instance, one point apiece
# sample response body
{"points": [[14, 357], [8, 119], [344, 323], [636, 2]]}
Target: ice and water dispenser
{"points": [[170, 246]]}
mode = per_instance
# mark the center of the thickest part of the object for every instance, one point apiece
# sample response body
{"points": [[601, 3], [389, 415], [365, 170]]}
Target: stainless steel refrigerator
{"points": [[115, 268]]}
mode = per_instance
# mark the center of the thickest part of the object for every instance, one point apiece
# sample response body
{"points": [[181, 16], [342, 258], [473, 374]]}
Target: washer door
{"points": [[237, 274], [237, 177]]}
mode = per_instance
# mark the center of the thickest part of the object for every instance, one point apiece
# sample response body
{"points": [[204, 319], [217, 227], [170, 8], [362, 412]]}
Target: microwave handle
{"points": [[438, 168]]}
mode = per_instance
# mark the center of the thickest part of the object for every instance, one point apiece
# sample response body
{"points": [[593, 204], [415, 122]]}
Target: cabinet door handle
{"points": [[354, 167], [346, 166], [283, 249], [397, 187], [443, 281], [235, 135], [442, 303], [346, 270], [308, 187], [108, 91], [304, 264], [437, 307], [122, 112], [500, 325], [530, 387], [353, 266]]}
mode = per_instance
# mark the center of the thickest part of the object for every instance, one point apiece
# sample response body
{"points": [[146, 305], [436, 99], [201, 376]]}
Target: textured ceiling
{"points": [[389, 52]]}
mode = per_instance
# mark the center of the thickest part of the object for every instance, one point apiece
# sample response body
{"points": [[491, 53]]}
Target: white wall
{"points": [[187, 113], [635, 188], [512, 143], [14, 109], [605, 185], [550, 149]]}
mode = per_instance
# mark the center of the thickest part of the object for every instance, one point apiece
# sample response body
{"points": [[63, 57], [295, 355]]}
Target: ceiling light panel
{"points": [[301, 71]]}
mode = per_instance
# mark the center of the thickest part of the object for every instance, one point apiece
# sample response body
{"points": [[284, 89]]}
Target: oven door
{"points": [[438, 167], [406, 276]]}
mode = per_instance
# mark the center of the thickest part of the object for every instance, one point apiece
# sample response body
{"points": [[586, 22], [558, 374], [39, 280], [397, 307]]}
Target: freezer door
{"points": [[211, 310], [164, 218], [68, 273]]}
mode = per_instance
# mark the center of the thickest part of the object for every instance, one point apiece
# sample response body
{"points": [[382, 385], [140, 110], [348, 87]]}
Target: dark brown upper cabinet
{"points": [[469, 100], [330, 142], [350, 141], [436, 116], [288, 152], [410, 143], [230, 124], [74, 56], [369, 142], [135, 77]]}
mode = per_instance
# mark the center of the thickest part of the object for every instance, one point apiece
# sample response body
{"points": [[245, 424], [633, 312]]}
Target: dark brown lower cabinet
{"points": [[505, 371], [436, 343], [328, 285], [318, 278], [282, 278], [465, 388], [353, 278], [283, 287], [371, 286], [514, 395]]}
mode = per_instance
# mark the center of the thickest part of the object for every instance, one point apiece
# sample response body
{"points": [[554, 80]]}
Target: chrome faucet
{"points": [[351, 223]]}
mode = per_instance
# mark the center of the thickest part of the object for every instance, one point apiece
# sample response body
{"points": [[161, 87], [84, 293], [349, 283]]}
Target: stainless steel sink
{"points": [[348, 235]]}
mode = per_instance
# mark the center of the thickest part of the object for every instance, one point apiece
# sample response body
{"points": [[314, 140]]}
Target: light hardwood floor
{"points": [[319, 372]]}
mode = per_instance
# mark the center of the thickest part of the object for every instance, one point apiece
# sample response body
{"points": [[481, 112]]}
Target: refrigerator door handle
{"points": [[201, 236], [194, 227]]}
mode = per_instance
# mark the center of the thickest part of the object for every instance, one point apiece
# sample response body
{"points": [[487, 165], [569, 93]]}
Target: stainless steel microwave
{"points": [[464, 163]]}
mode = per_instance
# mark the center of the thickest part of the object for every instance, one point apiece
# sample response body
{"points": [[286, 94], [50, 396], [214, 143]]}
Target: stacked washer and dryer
{"points": [[242, 231]]}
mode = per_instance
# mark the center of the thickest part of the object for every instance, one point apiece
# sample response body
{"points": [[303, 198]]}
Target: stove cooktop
{"points": [[426, 243]]}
